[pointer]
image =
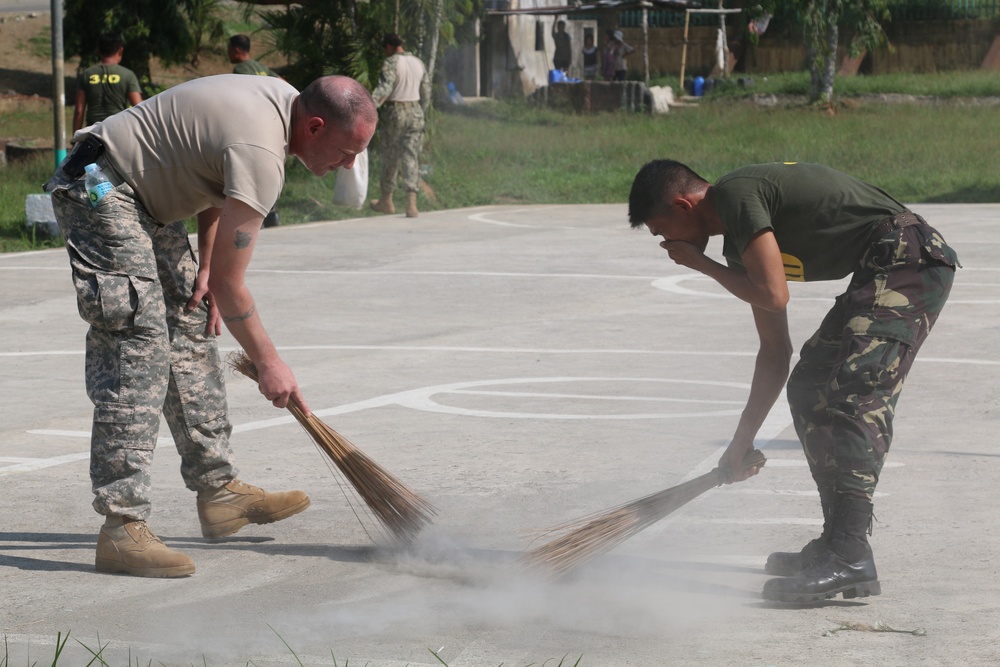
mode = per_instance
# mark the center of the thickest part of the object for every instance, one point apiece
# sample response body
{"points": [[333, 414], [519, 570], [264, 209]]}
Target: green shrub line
{"points": [[495, 152]]}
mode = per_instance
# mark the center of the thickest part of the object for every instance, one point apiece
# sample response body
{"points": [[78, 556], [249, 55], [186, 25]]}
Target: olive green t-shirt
{"points": [[184, 151], [820, 217], [253, 67], [107, 88]]}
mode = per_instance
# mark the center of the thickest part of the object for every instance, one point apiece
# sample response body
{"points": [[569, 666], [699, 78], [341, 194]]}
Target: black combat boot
{"points": [[790, 563], [846, 566]]}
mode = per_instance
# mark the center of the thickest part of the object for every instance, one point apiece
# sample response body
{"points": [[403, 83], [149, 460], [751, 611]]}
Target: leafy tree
{"points": [[822, 22], [345, 36], [148, 28], [205, 25], [172, 30]]}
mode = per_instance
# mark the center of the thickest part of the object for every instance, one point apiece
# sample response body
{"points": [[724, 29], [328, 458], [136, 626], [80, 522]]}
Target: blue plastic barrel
{"points": [[699, 86]]}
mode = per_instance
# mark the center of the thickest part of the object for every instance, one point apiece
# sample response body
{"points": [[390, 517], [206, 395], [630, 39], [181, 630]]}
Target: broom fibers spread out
{"points": [[580, 540], [396, 507]]}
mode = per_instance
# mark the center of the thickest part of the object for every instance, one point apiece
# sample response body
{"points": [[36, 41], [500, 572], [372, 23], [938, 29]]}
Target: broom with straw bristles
{"points": [[595, 534], [396, 507]]}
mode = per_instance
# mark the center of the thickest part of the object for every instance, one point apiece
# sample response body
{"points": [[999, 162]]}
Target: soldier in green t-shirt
{"points": [[803, 222], [239, 54], [106, 88]]}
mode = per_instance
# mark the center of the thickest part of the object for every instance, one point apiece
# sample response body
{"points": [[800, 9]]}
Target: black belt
{"points": [[883, 228]]}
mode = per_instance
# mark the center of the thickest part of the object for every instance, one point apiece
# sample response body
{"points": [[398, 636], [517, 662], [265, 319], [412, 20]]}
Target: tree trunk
{"points": [[829, 70], [813, 57], [822, 20], [435, 35]]}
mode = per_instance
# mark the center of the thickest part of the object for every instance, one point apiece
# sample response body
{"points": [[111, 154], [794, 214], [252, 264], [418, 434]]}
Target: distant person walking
{"points": [[238, 51], [403, 93], [106, 88]]}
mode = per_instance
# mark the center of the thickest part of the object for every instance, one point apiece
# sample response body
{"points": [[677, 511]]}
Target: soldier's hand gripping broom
{"points": [[397, 508]]}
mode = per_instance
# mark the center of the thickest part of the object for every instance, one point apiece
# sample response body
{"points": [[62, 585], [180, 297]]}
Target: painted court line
{"points": [[510, 350], [30, 465]]}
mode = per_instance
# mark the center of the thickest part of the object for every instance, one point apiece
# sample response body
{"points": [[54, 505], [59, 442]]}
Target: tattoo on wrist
{"points": [[242, 317], [243, 239]]}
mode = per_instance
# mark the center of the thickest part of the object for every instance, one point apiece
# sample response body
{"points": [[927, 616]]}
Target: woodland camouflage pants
{"points": [[145, 354], [843, 390]]}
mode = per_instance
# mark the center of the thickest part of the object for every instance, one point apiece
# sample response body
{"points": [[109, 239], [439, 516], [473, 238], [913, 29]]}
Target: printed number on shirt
{"points": [[104, 78]]}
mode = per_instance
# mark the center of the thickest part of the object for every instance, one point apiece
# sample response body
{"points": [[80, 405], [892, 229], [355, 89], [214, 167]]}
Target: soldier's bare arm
{"points": [[238, 227], [769, 376]]}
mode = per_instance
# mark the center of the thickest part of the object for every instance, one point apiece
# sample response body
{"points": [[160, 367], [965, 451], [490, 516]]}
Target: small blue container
{"points": [[699, 86], [556, 76]]}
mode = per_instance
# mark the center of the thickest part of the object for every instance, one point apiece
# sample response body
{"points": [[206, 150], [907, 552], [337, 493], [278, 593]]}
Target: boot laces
{"points": [[240, 484], [145, 530]]}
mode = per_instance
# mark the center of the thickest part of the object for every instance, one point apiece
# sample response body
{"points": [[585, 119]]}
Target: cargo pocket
{"points": [[935, 251], [866, 387], [120, 426], [106, 301]]}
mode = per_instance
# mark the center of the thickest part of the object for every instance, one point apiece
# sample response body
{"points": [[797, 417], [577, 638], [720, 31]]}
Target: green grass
{"points": [[949, 85], [98, 658], [512, 153], [917, 153], [18, 181]]}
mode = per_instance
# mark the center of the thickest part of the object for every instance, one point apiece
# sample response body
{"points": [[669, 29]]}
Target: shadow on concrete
{"points": [[977, 194], [35, 83]]}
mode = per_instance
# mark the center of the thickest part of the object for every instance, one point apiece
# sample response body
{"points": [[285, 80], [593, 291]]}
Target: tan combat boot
{"points": [[411, 205], [383, 205], [128, 546], [225, 510]]}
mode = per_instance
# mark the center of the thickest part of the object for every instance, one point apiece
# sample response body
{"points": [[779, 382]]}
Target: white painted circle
{"points": [[425, 398]]}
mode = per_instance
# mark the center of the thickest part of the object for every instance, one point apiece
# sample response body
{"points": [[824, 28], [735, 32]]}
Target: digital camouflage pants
{"points": [[401, 130], [145, 354], [843, 390]]}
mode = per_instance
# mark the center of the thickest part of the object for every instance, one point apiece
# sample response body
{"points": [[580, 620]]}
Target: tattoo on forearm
{"points": [[243, 239], [239, 318]]}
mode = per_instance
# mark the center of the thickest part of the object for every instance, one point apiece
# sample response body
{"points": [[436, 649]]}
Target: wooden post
{"points": [[645, 43], [725, 43], [684, 50], [58, 83]]}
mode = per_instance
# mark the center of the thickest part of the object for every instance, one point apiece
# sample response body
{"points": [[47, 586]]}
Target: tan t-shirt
{"points": [[191, 146]]}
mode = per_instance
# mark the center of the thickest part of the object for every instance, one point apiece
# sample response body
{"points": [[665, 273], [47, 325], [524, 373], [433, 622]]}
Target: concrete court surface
{"points": [[519, 367]]}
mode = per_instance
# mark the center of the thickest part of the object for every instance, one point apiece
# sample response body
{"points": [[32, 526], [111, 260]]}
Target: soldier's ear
{"points": [[314, 124]]}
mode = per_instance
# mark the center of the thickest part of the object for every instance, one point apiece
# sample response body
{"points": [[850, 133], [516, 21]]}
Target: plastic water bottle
{"points": [[98, 184]]}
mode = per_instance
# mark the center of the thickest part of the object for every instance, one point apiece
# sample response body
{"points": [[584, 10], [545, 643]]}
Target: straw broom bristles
{"points": [[595, 534], [398, 508]]}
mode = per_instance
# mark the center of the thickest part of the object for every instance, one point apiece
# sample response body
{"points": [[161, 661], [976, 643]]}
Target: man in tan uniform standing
{"points": [[403, 93], [154, 311]]}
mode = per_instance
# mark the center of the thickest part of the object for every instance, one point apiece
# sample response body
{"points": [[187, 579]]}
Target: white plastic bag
{"points": [[351, 188]]}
